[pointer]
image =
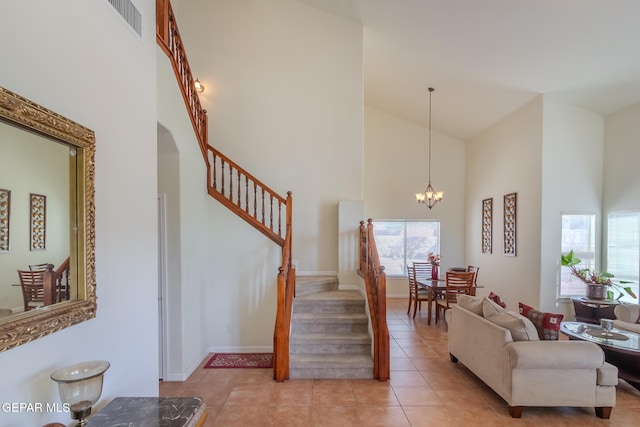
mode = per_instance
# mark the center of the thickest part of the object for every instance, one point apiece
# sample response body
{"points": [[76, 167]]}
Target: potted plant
{"points": [[599, 284]]}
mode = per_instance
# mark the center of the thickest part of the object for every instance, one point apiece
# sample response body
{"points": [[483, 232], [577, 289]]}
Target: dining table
{"points": [[432, 286]]}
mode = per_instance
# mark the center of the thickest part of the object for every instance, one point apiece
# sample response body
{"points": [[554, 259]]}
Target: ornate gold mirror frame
{"points": [[24, 327]]}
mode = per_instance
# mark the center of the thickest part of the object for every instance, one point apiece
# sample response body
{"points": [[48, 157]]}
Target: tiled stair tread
{"points": [[330, 296], [331, 318], [311, 360], [323, 337]]}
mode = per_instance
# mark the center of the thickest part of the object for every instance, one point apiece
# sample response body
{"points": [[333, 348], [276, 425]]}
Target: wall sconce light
{"points": [[80, 387], [199, 86]]}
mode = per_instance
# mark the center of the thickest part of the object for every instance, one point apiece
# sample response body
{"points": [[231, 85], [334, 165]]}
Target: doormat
{"points": [[240, 360]]}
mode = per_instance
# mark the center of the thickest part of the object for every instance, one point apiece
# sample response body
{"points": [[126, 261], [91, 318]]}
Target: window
{"points": [[623, 249], [578, 234], [402, 242]]}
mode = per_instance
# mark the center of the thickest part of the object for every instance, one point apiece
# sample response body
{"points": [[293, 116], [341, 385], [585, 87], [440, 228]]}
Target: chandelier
{"points": [[429, 197]]}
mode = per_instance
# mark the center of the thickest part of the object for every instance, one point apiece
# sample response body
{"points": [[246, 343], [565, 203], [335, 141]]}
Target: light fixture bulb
{"points": [[199, 86]]}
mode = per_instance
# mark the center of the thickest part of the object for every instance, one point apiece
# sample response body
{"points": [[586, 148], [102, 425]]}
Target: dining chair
{"points": [[62, 283], [423, 272], [32, 284], [457, 283], [474, 269], [416, 295]]}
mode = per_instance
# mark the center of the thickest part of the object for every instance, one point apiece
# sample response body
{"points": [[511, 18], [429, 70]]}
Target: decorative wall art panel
{"points": [[510, 212], [487, 226], [5, 212], [38, 222]]}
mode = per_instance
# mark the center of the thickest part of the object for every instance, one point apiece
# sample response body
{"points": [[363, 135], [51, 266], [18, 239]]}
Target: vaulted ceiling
{"points": [[486, 58]]}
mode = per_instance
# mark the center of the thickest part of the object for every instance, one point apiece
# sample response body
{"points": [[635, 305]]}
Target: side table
{"points": [[151, 411], [591, 311]]}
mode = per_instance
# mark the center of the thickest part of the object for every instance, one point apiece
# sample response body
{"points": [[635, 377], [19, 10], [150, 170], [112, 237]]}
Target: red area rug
{"points": [[240, 360]]}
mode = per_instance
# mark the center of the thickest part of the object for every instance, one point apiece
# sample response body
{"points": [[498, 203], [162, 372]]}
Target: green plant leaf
{"points": [[630, 292]]}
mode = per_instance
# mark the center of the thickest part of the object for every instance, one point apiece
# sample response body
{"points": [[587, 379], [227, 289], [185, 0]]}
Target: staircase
{"points": [[329, 331], [330, 328]]}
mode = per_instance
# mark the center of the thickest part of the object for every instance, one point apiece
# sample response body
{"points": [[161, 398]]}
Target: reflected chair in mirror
{"points": [[32, 284], [41, 267], [474, 269], [61, 277], [457, 283], [416, 295]]}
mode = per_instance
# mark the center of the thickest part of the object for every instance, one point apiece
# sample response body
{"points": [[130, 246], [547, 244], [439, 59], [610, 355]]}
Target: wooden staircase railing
{"points": [[375, 281], [248, 197], [56, 283], [234, 187]]}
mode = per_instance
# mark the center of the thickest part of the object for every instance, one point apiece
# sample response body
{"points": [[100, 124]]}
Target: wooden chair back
{"points": [[423, 270], [458, 283], [474, 269], [415, 295], [32, 284], [413, 283]]}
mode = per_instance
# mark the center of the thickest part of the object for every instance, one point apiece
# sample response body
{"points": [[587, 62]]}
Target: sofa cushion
{"points": [[495, 298], [547, 324], [471, 303], [520, 327]]}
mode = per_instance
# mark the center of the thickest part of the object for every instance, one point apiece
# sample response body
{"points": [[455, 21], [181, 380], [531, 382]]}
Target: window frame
{"points": [[635, 279], [392, 271], [565, 278]]}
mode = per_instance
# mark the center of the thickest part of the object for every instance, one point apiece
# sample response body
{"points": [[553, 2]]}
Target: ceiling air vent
{"points": [[129, 13]]}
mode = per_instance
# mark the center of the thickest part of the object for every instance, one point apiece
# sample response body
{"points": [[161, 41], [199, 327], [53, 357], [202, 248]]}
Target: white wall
{"points": [[507, 158], [284, 93], [622, 150], [571, 183], [79, 59], [621, 177], [396, 167], [182, 181]]}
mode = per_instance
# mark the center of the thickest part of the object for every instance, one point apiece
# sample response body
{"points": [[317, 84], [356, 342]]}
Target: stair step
{"points": [[330, 366], [329, 322], [307, 285], [348, 343], [330, 302], [330, 336]]}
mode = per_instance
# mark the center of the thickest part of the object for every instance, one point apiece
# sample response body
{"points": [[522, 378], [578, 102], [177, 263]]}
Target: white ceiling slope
{"points": [[486, 58]]}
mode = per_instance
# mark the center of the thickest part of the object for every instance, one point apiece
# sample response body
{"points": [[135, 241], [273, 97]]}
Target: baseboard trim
{"points": [[190, 370], [397, 296]]}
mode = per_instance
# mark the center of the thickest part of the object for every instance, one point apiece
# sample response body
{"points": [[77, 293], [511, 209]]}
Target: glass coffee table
{"points": [[621, 347]]}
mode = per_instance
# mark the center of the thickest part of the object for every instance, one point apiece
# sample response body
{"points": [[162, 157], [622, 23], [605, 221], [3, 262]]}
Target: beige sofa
{"points": [[534, 372], [627, 317]]}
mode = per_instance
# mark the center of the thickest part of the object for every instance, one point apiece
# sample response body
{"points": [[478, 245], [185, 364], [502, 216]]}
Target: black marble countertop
{"points": [[149, 412]]}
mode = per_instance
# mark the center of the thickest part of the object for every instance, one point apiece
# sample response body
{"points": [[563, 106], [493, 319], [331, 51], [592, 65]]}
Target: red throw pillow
{"points": [[495, 298], [547, 324]]}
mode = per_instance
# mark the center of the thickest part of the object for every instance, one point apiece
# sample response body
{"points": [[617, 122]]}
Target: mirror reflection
{"points": [[47, 221], [35, 238]]}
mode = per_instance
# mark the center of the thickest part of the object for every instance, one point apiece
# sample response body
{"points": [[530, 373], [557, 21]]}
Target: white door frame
{"points": [[162, 285]]}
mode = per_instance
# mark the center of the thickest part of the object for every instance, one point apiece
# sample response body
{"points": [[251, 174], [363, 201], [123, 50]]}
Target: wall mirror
{"points": [[47, 221]]}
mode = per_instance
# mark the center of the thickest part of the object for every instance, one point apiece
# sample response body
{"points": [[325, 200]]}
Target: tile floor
{"points": [[425, 389]]}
